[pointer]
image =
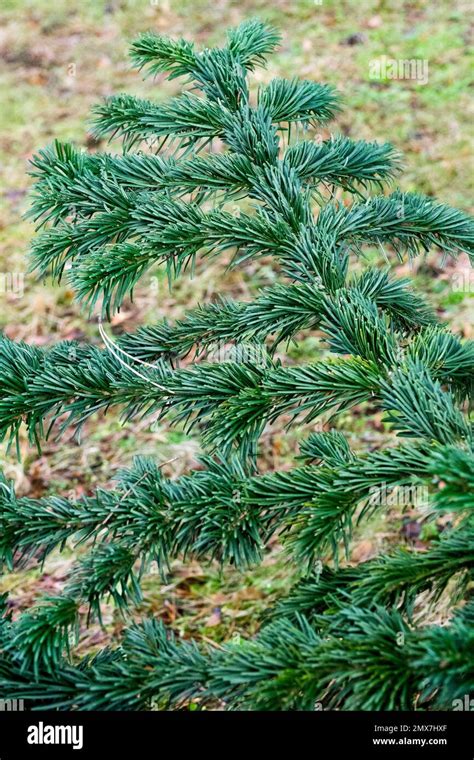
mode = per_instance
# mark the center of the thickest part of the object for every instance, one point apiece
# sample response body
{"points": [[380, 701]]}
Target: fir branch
{"points": [[401, 576], [250, 42], [419, 406], [375, 664], [136, 120], [298, 101]]}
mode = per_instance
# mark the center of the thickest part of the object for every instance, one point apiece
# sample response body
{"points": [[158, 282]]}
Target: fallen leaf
{"points": [[374, 22], [363, 551], [214, 619]]}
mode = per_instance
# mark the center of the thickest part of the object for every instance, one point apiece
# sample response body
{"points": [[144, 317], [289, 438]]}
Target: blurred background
{"points": [[404, 72]]}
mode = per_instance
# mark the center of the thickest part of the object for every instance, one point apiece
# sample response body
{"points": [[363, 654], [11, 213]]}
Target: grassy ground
{"points": [[58, 59]]}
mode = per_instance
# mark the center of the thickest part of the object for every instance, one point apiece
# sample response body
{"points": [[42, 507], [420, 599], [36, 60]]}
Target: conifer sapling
{"points": [[349, 637]]}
